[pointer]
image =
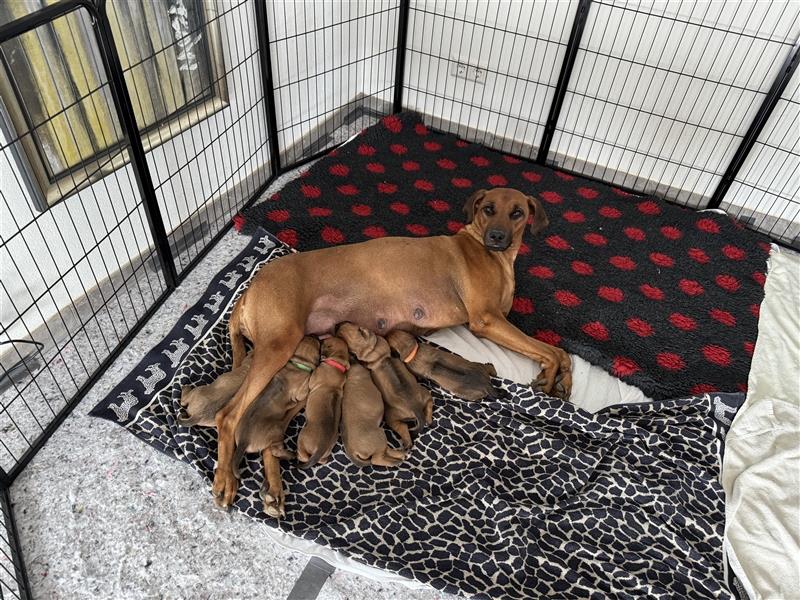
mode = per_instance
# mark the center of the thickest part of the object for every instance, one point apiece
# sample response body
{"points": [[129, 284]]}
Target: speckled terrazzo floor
{"points": [[102, 515]]}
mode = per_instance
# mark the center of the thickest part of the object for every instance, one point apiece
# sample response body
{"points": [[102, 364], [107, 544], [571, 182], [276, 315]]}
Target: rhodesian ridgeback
{"points": [[407, 405], [324, 404], [203, 402], [466, 379], [363, 437], [414, 284]]}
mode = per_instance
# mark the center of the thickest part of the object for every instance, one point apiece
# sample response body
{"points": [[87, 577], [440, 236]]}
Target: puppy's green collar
{"points": [[301, 365]]}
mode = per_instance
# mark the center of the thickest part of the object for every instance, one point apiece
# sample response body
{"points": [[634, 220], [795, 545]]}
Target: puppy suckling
{"points": [[324, 404], [263, 426], [203, 402], [362, 414], [407, 405], [464, 378]]}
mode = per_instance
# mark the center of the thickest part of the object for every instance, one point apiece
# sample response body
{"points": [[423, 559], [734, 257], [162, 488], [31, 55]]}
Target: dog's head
{"points": [[402, 343], [335, 348], [308, 351], [499, 216], [365, 344]]}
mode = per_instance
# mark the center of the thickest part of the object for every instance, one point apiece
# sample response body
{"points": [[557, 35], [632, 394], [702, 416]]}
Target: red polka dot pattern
{"points": [[664, 297]]}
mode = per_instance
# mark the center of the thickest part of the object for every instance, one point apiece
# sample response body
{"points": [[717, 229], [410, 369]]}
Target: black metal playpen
{"points": [[133, 131]]}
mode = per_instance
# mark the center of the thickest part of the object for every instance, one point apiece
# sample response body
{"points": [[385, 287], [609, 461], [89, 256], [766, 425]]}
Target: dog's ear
{"points": [[539, 218], [472, 203]]}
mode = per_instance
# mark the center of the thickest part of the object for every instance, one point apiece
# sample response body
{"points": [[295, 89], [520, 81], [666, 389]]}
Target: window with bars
{"points": [[66, 127]]}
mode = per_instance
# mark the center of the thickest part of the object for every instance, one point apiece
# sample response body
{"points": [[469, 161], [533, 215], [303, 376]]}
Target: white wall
{"points": [[520, 46], [325, 54]]}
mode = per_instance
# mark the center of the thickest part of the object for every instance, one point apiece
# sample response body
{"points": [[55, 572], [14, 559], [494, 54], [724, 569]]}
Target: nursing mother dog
{"points": [[413, 284]]}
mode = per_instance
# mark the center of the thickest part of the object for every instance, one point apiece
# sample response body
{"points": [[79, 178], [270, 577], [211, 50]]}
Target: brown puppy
{"points": [[414, 284], [464, 378], [324, 404], [362, 413], [407, 405], [203, 402], [263, 426]]}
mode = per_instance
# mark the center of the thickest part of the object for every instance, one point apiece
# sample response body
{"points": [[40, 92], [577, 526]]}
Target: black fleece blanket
{"points": [[523, 497], [663, 297]]}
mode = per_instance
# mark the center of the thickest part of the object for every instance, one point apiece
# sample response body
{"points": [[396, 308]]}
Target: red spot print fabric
{"points": [[663, 297]]}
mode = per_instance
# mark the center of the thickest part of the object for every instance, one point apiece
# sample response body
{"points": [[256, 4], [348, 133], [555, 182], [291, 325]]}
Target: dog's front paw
{"points": [[274, 502], [224, 488], [563, 387]]}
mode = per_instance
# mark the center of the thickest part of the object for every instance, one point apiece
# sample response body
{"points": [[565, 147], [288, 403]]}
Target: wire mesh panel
{"points": [[333, 65], [76, 253], [80, 269], [766, 194], [13, 582], [486, 70], [192, 70], [663, 92]]}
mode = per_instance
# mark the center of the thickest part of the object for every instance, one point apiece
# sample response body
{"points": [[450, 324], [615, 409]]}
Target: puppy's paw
{"points": [[274, 502], [224, 488]]}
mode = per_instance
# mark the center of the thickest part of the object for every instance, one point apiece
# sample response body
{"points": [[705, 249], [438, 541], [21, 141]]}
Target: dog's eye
{"points": [[516, 214], [488, 210]]}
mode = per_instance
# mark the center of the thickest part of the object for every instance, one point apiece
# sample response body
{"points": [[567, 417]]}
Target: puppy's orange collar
{"points": [[335, 364], [411, 354]]}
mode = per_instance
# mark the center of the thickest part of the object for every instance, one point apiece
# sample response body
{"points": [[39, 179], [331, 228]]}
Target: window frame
{"points": [[45, 192]]}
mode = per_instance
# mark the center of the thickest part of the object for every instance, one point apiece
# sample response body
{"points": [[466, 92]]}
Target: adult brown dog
{"points": [[414, 284]]}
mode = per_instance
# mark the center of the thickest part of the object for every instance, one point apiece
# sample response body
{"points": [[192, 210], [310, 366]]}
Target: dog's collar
{"points": [[335, 364], [301, 365], [411, 354]]}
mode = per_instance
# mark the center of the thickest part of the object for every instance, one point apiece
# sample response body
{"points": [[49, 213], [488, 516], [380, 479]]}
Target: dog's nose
{"points": [[497, 237]]}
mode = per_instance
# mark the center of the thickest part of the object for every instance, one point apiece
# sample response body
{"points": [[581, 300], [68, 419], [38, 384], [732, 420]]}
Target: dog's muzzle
{"points": [[497, 239]]}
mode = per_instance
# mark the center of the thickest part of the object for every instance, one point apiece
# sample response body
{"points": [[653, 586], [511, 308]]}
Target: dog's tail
{"points": [[234, 329]]}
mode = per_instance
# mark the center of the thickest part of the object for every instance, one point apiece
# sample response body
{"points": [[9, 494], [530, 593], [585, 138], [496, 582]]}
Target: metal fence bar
{"points": [[762, 116], [400, 60], [267, 82], [578, 25], [10, 526], [130, 129]]}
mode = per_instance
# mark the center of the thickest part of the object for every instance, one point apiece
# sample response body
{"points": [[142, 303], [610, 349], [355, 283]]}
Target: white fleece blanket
{"points": [[761, 472]]}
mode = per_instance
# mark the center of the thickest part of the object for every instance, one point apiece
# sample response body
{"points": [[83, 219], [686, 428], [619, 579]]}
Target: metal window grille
{"points": [[615, 91]]}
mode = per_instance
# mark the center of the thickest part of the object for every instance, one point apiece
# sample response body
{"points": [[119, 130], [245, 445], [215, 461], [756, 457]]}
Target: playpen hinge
{"points": [[575, 36], [267, 82], [400, 62]]}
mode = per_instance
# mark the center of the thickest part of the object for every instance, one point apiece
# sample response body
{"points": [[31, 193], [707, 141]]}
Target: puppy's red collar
{"points": [[335, 364], [411, 354]]}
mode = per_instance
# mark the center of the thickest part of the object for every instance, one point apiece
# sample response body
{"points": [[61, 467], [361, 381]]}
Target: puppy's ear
{"points": [[472, 204], [539, 218]]}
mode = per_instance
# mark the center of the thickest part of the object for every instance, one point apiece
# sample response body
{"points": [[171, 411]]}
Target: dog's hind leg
{"points": [[271, 492], [269, 356], [401, 429]]}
